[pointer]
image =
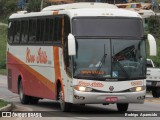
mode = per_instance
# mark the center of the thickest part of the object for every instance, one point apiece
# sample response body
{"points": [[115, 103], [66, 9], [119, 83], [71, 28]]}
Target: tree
{"points": [[35, 5], [154, 25], [8, 6]]}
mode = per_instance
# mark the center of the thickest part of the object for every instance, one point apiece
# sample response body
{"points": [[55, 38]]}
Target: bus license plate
{"points": [[111, 99]]}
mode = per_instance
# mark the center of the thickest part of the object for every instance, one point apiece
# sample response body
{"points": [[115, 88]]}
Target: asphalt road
{"points": [[51, 109]]}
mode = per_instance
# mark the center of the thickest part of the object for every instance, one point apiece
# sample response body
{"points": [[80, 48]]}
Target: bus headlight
{"points": [[137, 89], [82, 88]]}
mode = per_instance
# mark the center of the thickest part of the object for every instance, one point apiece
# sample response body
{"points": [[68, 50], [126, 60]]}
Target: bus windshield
{"points": [[109, 58]]}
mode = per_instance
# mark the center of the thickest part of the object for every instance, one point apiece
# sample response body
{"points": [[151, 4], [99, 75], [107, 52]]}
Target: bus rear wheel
{"points": [[65, 107], [122, 107], [23, 98]]}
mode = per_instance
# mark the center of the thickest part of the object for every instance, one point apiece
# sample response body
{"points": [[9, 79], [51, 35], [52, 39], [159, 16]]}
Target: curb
{"points": [[6, 108]]}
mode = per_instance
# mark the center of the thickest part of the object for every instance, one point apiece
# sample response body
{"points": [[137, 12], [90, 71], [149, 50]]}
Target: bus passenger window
{"points": [[24, 31], [58, 29], [17, 32], [51, 29], [10, 31], [40, 30], [32, 30], [59, 34]]}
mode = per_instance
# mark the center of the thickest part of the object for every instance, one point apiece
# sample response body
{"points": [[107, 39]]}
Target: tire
{"points": [[122, 107], [24, 99], [33, 100], [156, 92], [65, 107]]}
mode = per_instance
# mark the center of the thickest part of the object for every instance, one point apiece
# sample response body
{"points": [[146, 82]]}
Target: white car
{"points": [[153, 79]]}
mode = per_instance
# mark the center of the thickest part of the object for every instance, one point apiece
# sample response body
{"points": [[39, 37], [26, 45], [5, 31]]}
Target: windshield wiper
{"points": [[101, 62], [121, 66], [100, 65]]}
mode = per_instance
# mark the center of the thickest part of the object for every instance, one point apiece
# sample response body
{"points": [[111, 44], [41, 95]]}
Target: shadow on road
{"points": [[50, 109]]}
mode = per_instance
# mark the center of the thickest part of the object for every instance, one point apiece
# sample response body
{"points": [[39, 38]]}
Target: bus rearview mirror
{"points": [[71, 45], [152, 45]]}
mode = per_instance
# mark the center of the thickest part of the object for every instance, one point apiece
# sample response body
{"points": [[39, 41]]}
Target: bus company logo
{"points": [[136, 83], [41, 57], [92, 84], [111, 88]]}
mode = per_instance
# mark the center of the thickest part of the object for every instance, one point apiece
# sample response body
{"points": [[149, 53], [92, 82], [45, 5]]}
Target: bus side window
{"points": [[10, 32], [47, 31], [40, 30], [32, 30], [58, 29], [24, 31], [17, 32], [51, 29]]}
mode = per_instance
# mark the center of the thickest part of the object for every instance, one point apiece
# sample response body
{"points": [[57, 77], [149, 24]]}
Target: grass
{"points": [[3, 103], [156, 59], [3, 38], [3, 72]]}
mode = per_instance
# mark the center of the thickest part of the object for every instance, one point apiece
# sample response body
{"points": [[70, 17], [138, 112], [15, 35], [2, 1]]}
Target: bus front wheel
{"points": [[156, 92], [23, 98], [65, 107], [122, 107]]}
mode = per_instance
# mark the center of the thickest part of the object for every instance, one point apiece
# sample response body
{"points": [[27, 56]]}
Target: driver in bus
{"points": [[94, 63]]}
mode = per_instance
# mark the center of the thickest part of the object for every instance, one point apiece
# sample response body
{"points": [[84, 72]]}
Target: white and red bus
{"points": [[50, 54]]}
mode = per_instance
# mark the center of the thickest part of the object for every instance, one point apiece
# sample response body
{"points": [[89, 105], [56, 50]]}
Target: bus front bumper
{"points": [[107, 98]]}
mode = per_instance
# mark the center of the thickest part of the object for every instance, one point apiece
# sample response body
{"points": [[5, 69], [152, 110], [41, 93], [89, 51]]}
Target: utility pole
{"points": [[21, 4]]}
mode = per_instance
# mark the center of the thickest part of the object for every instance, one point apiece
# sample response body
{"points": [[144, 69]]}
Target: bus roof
{"points": [[80, 9], [78, 6]]}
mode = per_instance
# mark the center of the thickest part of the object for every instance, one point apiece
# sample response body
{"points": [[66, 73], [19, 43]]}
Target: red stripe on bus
{"points": [[38, 81]]}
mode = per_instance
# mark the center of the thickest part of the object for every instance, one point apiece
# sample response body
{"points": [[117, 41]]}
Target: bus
{"points": [[50, 55]]}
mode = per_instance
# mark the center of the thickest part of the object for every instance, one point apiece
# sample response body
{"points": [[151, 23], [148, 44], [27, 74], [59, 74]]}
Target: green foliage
{"points": [[3, 37], [35, 5], [154, 25], [7, 7], [3, 71], [153, 28], [3, 103]]}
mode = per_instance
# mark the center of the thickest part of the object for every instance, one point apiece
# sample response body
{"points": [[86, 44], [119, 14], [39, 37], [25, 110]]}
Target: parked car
{"points": [[153, 79]]}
